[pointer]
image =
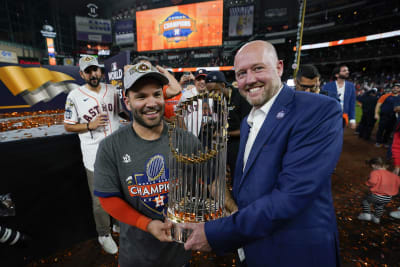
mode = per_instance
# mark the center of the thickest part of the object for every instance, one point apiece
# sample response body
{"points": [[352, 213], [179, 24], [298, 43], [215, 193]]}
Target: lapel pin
{"points": [[280, 115]]}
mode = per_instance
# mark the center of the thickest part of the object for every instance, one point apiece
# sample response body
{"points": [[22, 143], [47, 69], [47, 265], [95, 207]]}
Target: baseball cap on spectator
{"points": [[396, 84], [215, 77], [87, 61], [200, 72], [139, 71], [372, 90]]}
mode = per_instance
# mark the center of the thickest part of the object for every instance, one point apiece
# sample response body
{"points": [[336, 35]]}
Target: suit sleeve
{"points": [[307, 165], [352, 107]]}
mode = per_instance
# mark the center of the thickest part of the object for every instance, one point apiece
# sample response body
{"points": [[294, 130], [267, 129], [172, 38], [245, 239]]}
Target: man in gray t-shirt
{"points": [[131, 175]]}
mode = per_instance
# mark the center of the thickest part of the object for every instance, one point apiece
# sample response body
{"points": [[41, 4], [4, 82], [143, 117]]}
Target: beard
{"points": [[93, 82], [153, 123], [268, 92], [343, 77]]}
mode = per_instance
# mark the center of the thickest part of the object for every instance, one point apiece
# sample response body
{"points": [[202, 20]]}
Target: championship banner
{"points": [[241, 21], [124, 32], [114, 72], [90, 29], [192, 25]]}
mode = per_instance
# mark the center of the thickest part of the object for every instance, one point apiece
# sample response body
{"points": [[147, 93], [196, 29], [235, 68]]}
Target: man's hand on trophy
{"points": [[197, 239], [160, 230], [230, 204]]}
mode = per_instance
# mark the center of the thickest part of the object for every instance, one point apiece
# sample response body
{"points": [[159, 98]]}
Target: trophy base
{"points": [[179, 234]]}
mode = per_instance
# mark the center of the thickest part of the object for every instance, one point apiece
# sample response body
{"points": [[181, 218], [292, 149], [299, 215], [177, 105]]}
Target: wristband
{"points": [[90, 131]]}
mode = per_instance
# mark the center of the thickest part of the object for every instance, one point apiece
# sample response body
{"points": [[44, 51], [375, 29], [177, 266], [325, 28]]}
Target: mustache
{"points": [[258, 84], [151, 109]]}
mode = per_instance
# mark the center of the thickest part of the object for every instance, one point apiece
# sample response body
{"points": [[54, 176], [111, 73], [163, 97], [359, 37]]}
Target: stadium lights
{"points": [[361, 39], [193, 69]]}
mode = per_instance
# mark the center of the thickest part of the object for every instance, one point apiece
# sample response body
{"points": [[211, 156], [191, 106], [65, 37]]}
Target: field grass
{"points": [[358, 113]]}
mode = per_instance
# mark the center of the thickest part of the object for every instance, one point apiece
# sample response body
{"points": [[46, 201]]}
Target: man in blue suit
{"points": [[289, 146], [345, 92]]}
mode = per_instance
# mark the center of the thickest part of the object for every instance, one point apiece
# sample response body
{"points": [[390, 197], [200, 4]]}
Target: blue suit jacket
{"points": [[349, 104], [286, 215]]}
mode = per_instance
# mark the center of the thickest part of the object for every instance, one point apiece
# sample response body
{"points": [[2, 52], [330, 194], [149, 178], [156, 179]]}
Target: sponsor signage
{"points": [[91, 29], [8, 56], [203, 55], [48, 31], [124, 32], [125, 38]]}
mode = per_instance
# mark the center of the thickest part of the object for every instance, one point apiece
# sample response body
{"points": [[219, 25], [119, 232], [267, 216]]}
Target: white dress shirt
{"points": [[340, 92], [255, 120]]}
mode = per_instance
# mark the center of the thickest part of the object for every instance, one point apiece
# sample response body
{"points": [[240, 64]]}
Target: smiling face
{"points": [[146, 105], [200, 83], [396, 90], [258, 72], [91, 75]]}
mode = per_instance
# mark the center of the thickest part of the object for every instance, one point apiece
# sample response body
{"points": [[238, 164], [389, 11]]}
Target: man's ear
{"points": [[81, 73], [126, 101]]}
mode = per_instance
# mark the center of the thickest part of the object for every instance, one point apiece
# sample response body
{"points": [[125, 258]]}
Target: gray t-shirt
{"points": [[136, 170]]}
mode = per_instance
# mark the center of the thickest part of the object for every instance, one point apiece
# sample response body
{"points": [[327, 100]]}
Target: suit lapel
{"points": [[276, 115], [244, 134], [346, 96]]}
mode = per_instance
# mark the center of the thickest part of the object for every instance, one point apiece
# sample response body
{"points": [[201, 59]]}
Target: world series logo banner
{"points": [[192, 25]]}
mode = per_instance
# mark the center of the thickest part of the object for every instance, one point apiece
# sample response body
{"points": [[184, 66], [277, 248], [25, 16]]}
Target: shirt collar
{"points": [[263, 110]]}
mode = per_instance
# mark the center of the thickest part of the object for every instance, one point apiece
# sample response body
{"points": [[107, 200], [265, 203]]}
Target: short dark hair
{"points": [[336, 70], [308, 71], [377, 161]]}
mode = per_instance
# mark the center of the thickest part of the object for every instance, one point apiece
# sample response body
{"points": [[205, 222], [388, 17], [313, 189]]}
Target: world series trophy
{"points": [[197, 162]]}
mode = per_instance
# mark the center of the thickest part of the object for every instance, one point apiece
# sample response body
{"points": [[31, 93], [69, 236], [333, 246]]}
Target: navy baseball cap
{"points": [[215, 77], [200, 72]]}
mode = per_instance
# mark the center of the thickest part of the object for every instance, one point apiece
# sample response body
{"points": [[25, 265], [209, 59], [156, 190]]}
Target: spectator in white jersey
{"points": [[200, 87], [92, 111]]}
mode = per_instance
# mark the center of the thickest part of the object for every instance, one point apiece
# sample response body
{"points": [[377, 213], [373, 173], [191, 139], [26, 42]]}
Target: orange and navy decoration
{"points": [[177, 27], [182, 26], [151, 186]]}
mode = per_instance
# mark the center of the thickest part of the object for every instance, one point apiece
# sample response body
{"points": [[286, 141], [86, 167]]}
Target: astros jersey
{"points": [[82, 106]]}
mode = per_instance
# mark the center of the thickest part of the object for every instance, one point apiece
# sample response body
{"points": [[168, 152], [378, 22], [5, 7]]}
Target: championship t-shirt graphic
{"points": [[151, 186]]}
